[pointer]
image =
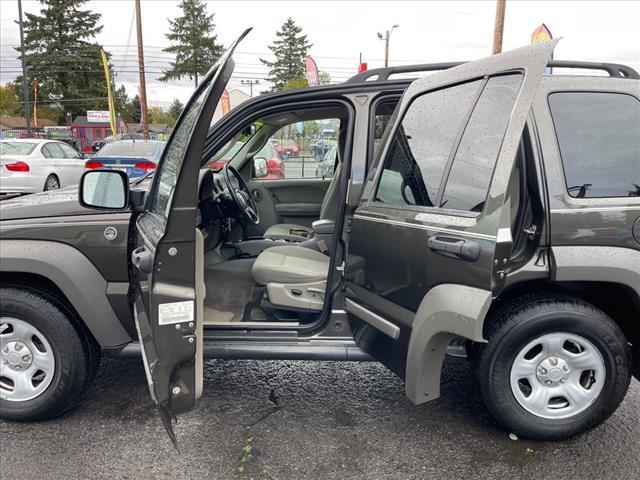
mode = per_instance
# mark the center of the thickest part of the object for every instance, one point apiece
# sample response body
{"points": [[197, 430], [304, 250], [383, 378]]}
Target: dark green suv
{"points": [[487, 209]]}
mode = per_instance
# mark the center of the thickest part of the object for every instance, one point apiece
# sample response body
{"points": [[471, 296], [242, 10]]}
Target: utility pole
{"points": [[386, 38], [143, 85], [251, 83], [498, 28], [25, 92]]}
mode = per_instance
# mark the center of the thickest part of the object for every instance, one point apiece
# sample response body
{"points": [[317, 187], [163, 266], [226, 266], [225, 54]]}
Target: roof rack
{"points": [[614, 70]]}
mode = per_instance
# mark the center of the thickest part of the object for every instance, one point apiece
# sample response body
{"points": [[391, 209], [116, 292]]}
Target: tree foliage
{"points": [[10, 104], [290, 49], [175, 109], [64, 59], [194, 45]]}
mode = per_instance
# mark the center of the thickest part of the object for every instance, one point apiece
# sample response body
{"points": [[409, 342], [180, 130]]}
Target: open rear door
{"points": [[431, 238], [168, 257]]}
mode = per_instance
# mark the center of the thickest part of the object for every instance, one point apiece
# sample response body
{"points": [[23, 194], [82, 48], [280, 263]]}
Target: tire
{"points": [[532, 332], [51, 183], [75, 359]]}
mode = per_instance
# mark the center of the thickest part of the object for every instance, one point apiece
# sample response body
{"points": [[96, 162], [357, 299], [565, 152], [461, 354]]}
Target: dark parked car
{"points": [[463, 231], [134, 157], [98, 144]]}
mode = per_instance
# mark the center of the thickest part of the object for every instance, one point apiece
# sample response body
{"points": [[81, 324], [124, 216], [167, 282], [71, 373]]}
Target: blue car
{"points": [[134, 157]]}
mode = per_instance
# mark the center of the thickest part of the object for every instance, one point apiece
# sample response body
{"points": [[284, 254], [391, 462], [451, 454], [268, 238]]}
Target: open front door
{"points": [[168, 257], [431, 239]]}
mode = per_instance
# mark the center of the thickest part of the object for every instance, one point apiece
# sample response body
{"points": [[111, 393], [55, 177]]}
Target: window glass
{"points": [[54, 150], [45, 151], [476, 157], [174, 156], [305, 149], [382, 116], [422, 144], [129, 148], [68, 151], [599, 138], [16, 148]]}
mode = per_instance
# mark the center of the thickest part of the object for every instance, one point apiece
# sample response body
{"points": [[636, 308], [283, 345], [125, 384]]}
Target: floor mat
{"points": [[227, 294]]}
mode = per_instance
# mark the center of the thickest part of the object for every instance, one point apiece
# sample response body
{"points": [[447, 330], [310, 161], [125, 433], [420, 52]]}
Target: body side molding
{"points": [[75, 276]]}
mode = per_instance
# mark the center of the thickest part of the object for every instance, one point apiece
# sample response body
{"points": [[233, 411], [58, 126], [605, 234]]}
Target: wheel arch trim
{"points": [[446, 311], [77, 278]]}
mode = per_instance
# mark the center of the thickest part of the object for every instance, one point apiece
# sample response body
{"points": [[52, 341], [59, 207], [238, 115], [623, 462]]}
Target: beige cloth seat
{"points": [[295, 277], [290, 264]]}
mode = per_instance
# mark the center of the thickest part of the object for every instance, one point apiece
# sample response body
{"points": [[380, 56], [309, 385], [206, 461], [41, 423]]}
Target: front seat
{"points": [[294, 276], [299, 233]]}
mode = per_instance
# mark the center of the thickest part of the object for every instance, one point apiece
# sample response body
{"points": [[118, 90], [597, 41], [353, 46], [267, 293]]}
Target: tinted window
{"points": [[472, 167], [599, 140], [174, 155], [422, 144]]}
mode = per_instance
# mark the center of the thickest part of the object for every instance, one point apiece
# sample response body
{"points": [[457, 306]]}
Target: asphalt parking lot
{"points": [[311, 420]]}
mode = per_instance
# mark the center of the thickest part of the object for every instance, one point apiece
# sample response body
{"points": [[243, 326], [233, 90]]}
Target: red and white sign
{"points": [[98, 116]]}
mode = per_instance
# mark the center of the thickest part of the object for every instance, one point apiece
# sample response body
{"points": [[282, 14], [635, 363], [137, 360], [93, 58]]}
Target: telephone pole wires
{"points": [[143, 85], [25, 91]]}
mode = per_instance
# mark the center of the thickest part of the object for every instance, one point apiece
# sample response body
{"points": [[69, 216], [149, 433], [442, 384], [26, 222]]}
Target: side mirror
{"points": [[104, 190], [260, 168]]}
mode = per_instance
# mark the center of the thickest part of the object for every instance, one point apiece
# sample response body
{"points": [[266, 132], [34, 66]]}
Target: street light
{"points": [[251, 83], [386, 43]]}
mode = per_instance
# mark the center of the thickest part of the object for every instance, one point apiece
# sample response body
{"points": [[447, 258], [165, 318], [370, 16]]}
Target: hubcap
{"points": [[557, 375], [27, 363]]}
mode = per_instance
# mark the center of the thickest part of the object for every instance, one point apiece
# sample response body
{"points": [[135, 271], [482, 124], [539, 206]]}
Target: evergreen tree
{"points": [[193, 43], [290, 49], [175, 108], [61, 55]]}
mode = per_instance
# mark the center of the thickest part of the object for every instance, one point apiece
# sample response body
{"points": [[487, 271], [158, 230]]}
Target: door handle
{"points": [[142, 259], [454, 247]]}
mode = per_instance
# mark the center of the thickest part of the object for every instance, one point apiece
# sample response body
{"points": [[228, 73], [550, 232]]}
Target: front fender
{"points": [[73, 273]]}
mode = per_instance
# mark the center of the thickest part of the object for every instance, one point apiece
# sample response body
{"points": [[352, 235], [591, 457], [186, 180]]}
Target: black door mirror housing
{"points": [[104, 190]]}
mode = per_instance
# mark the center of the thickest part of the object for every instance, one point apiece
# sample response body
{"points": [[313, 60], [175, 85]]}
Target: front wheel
{"points": [[46, 364], [554, 366]]}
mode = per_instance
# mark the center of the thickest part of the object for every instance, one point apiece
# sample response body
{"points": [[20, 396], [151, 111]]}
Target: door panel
{"points": [[436, 218], [169, 258], [289, 201]]}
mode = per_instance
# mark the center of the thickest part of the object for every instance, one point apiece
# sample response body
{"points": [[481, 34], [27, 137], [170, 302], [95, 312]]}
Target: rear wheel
{"points": [[554, 366], [51, 183], [45, 363]]}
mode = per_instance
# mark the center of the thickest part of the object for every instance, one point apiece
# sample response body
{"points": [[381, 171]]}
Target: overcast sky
{"points": [[340, 31]]}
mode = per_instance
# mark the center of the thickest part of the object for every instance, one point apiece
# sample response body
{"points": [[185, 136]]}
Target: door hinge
{"points": [[341, 268], [531, 231]]}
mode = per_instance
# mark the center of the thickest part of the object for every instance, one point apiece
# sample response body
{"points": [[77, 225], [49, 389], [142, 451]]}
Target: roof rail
{"points": [[614, 70]]}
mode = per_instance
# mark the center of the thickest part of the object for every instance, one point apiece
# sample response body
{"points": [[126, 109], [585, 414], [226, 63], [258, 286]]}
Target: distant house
{"points": [[236, 97], [88, 132], [19, 123]]}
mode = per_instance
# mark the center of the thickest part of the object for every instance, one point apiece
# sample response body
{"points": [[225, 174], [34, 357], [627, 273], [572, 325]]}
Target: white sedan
{"points": [[32, 165]]}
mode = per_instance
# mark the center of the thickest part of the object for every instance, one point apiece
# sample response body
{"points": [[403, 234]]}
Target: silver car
{"points": [[34, 165]]}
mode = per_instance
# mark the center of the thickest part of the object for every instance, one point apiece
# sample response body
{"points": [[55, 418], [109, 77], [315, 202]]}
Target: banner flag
{"points": [[311, 72], [35, 102], [112, 107], [225, 102]]}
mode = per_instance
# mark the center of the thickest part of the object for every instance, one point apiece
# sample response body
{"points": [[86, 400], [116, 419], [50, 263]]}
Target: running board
{"points": [[339, 353]]}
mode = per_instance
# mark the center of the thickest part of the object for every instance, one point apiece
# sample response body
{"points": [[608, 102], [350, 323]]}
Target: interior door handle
{"points": [[454, 247], [142, 259]]}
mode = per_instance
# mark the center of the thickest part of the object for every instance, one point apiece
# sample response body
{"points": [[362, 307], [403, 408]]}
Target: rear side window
{"points": [[476, 157], [54, 150], [421, 146], [599, 140]]}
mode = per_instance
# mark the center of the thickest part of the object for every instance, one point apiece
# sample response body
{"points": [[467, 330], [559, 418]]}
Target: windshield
{"points": [[128, 149], [17, 148]]}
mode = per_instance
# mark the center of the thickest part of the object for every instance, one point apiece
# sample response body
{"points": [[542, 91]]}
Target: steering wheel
{"points": [[241, 196]]}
